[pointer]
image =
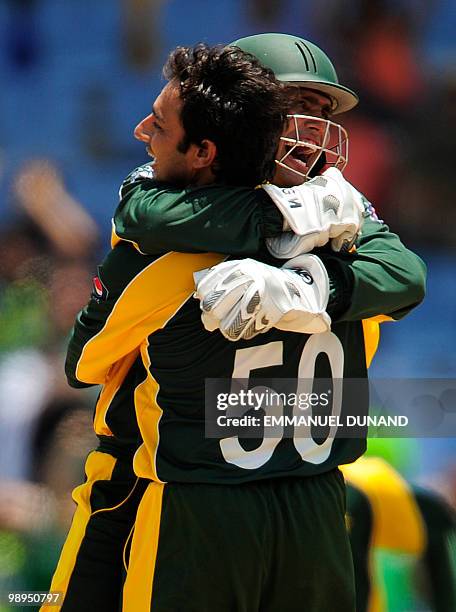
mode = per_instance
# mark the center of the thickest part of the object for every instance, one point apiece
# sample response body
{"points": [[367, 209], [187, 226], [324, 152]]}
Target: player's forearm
{"points": [[70, 364], [214, 218], [88, 357], [386, 278], [86, 327]]}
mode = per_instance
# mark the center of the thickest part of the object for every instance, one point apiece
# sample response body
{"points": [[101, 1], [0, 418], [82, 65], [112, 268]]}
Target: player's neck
{"points": [[205, 176]]}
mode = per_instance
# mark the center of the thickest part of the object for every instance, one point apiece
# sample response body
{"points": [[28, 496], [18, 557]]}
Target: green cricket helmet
{"points": [[299, 62], [295, 60]]}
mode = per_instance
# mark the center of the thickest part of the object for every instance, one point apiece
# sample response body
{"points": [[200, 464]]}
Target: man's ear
{"points": [[205, 154]]}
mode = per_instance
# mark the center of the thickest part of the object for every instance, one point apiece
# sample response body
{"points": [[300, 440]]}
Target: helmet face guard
{"points": [[332, 144]]}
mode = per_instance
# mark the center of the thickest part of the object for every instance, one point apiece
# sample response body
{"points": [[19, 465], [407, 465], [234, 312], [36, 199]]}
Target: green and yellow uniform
{"points": [[142, 309], [388, 516], [383, 277], [142, 339]]}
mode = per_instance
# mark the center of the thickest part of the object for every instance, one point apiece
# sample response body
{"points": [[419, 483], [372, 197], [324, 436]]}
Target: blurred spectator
{"points": [[69, 288], [26, 380], [41, 193], [45, 281], [33, 372], [53, 227], [376, 42], [373, 174], [23, 298], [386, 57], [405, 125], [424, 195], [34, 516]]}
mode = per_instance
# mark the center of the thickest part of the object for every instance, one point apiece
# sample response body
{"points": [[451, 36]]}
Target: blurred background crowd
{"points": [[75, 79]]}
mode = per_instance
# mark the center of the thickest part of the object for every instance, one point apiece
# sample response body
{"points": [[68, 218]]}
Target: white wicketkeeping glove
{"points": [[245, 298], [326, 208]]}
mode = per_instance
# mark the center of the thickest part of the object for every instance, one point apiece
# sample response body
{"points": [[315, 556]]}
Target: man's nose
{"points": [[301, 125], [142, 130], [314, 124], [314, 121]]}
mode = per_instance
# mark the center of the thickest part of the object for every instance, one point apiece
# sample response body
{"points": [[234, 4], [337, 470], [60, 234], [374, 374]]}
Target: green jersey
{"points": [[382, 277], [142, 338]]}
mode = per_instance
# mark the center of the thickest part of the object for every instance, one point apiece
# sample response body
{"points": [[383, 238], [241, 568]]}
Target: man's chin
{"points": [[284, 177]]}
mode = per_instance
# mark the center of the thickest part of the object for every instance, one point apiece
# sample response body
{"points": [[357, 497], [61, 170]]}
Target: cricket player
{"points": [[386, 513], [148, 213], [164, 383], [212, 98]]}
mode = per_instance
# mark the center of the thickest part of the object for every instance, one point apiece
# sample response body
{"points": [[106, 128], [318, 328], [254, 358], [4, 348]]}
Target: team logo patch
{"points": [[99, 290]]}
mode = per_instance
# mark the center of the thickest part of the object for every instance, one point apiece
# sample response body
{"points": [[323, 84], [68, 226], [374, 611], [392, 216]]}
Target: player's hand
{"points": [[326, 208], [246, 298]]}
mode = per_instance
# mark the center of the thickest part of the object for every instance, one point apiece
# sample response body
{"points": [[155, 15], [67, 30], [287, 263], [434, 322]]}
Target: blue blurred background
{"points": [[76, 76]]}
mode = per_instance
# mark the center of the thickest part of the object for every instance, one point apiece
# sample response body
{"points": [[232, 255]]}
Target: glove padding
{"points": [[246, 298], [326, 208]]}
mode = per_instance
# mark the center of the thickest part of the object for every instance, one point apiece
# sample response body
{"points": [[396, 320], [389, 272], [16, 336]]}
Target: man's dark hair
{"points": [[231, 99]]}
